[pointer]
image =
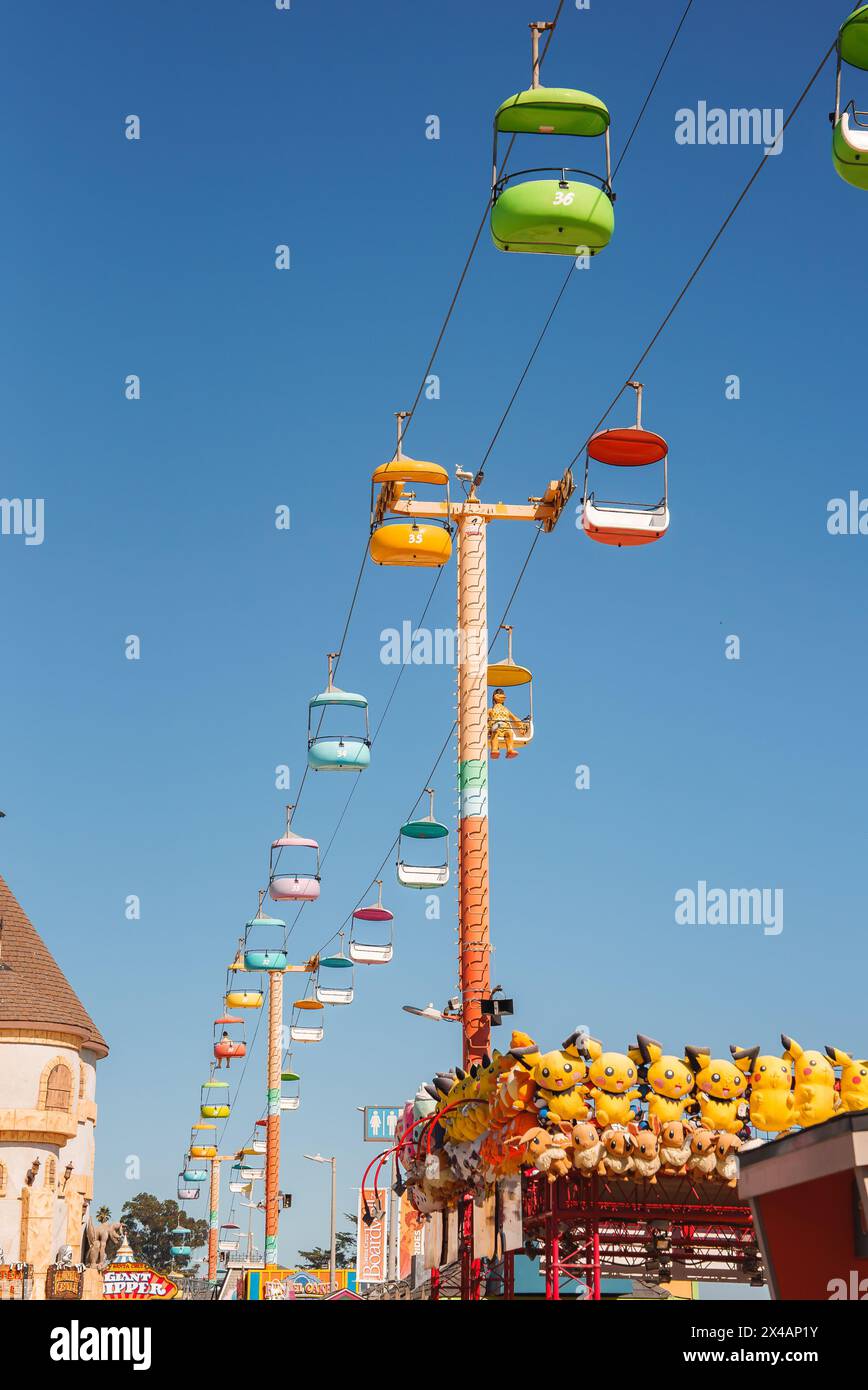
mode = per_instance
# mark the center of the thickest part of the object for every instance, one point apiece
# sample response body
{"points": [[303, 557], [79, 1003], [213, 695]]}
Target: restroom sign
{"points": [[381, 1124]]}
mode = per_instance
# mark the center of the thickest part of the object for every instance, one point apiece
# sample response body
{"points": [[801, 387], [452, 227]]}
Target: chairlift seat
{"points": [[850, 151], [613, 524], [329, 994], [244, 999], [300, 1033], [556, 217], [365, 953], [423, 876], [428, 546], [265, 960]]}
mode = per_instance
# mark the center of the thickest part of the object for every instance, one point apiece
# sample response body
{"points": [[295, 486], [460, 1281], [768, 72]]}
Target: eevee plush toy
{"points": [[726, 1161], [587, 1149], [646, 1156], [675, 1147], [617, 1151], [703, 1157]]}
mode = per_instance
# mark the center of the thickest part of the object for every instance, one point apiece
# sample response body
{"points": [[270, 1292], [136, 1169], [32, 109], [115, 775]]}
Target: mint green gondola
{"points": [[180, 1246], [342, 751], [850, 126], [560, 216], [261, 957]]}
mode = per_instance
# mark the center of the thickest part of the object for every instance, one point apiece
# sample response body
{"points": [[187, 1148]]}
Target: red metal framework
{"points": [[587, 1229], [676, 1228]]}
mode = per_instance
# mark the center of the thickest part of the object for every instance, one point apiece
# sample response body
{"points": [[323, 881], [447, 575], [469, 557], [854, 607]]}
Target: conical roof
{"points": [[33, 988]]}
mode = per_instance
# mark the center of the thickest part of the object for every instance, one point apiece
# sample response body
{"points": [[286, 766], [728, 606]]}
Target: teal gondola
{"points": [[339, 751]]}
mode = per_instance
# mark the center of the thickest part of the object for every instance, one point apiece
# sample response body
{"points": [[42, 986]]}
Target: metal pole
{"points": [[213, 1217], [272, 1128], [473, 866], [394, 1223], [334, 1218]]}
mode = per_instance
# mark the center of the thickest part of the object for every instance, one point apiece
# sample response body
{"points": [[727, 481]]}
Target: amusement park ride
{"points": [[598, 1162]]}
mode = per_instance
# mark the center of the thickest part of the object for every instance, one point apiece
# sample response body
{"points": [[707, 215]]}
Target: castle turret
{"points": [[49, 1048]]}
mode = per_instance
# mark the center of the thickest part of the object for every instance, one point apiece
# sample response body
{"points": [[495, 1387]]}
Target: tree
{"points": [[149, 1224], [318, 1258], [103, 1214]]}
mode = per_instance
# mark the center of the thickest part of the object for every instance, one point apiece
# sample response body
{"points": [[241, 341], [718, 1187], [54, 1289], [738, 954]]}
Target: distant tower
{"points": [[49, 1048]]}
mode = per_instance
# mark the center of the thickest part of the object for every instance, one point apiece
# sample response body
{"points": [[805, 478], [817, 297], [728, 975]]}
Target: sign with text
{"points": [[411, 1237], [64, 1282], [381, 1123], [274, 1284], [371, 1262], [132, 1280], [15, 1281]]}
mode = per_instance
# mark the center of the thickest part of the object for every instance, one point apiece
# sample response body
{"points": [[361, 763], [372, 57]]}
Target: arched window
{"points": [[2, 1180], [58, 1088], [82, 1082], [51, 1173]]}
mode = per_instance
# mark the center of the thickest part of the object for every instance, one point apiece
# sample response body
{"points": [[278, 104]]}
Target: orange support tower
{"points": [[472, 519], [473, 876], [214, 1215], [272, 1131]]}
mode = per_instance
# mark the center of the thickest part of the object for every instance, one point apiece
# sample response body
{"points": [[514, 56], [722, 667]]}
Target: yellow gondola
{"points": [[214, 1103], [425, 546], [508, 675], [199, 1147], [238, 995]]}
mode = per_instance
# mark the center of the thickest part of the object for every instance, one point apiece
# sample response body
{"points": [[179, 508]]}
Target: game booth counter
{"points": [[808, 1195]]}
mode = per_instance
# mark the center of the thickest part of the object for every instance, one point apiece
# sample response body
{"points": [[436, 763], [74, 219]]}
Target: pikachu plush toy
{"points": [[854, 1079], [814, 1096], [613, 1078], [669, 1080], [560, 1095], [772, 1109], [720, 1086]]}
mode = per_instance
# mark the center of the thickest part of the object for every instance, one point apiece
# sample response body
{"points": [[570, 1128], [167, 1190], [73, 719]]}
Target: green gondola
{"points": [[560, 216], [850, 126]]}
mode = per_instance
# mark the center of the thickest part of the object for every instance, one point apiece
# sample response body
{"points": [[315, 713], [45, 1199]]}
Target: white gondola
{"points": [[228, 1239], [307, 1032], [367, 952], [626, 523], [423, 875], [338, 964], [290, 1090]]}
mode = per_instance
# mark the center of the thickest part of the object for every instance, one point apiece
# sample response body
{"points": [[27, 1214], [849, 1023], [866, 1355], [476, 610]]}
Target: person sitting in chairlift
{"points": [[220, 1060], [501, 726]]}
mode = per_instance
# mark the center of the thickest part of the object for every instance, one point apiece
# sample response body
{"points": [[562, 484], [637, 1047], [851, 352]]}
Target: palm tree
{"points": [[103, 1214]]}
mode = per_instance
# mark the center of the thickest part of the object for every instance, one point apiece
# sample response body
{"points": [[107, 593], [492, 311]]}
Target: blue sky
{"points": [[262, 388]]}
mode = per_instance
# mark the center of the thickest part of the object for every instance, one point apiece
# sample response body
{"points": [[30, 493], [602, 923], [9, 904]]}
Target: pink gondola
{"points": [[292, 884], [367, 952]]}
